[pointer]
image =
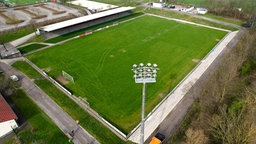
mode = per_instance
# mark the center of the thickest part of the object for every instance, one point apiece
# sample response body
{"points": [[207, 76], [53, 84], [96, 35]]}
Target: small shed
{"points": [[158, 4]]}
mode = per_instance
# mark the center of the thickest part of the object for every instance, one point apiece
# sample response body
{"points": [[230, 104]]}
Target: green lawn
{"points": [[31, 47], [23, 2], [101, 64], [95, 128], [194, 2], [10, 36], [188, 18], [40, 128], [229, 20]]}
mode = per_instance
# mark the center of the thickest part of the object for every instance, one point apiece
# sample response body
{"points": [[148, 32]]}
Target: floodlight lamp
{"points": [[149, 75], [149, 64], [154, 65], [134, 66], [141, 64]]}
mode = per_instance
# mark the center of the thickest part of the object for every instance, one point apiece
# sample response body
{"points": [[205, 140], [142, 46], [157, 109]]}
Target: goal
{"points": [[67, 76]]}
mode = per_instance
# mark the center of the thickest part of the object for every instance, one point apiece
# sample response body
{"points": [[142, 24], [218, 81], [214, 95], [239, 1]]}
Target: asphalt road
{"points": [[56, 113]]}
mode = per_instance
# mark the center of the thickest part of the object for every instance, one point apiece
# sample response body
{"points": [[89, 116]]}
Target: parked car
{"points": [[14, 78], [171, 6], [157, 139]]}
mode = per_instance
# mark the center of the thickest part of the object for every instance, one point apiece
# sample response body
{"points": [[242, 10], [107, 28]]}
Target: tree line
{"points": [[225, 111]]}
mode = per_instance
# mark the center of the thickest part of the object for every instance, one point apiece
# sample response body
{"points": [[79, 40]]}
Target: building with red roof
{"points": [[7, 117]]}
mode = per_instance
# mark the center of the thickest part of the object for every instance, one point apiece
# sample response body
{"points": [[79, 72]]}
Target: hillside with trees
{"points": [[225, 110]]}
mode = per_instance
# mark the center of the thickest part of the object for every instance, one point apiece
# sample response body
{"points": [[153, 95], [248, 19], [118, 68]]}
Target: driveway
{"points": [[56, 113]]}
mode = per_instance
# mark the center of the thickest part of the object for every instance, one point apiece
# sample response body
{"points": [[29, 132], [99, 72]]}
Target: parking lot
{"points": [[25, 15]]}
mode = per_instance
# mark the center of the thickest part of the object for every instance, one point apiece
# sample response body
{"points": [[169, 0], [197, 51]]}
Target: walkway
{"points": [[21, 40], [169, 103], [56, 113], [188, 22], [172, 121]]}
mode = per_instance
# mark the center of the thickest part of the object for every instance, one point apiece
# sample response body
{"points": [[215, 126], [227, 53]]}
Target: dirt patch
{"points": [[62, 80], [161, 95], [48, 69], [111, 56], [196, 60], [10, 19], [123, 50]]}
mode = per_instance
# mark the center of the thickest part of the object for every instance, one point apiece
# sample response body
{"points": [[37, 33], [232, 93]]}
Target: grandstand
{"points": [[75, 24]]}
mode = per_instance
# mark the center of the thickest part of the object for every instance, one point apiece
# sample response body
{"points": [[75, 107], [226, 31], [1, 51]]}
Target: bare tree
{"points": [[195, 137], [231, 127], [33, 25]]}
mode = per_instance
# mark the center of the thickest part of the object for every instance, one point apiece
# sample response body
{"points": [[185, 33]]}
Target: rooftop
{"points": [[6, 113], [82, 19]]}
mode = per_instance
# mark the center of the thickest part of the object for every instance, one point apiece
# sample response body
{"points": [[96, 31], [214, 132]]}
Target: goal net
{"points": [[67, 76]]}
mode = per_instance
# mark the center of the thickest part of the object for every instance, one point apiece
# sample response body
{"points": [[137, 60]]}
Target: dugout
{"points": [[75, 24]]}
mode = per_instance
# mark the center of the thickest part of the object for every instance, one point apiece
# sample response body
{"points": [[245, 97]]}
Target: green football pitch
{"points": [[101, 64]]}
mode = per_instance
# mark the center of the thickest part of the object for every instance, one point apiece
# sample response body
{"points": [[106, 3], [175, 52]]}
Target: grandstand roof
{"points": [[74, 21], [6, 112]]}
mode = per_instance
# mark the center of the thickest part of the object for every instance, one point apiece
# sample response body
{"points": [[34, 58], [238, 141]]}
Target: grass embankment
{"points": [[190, 2], [188, 18], [220, 18], [23, 2], [82, 31], [99, 131], [40, 128], [101, 64], [31, 47], [10, 36]]}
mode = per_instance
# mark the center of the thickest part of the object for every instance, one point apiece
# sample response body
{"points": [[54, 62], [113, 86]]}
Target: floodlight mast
{"points": [[144, 74]]}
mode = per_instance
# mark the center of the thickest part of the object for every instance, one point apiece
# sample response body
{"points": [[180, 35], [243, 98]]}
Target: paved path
{"points": [[21, 40], [172, 121], [218, 21], [188, 22], [169, 103], [197, 16], [56, 113]]}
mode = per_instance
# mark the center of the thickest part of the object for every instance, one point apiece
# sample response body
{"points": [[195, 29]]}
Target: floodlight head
{"points": [[145, 73]]}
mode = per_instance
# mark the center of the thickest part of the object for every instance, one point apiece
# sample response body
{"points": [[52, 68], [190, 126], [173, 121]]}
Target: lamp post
{"points": [[144, 74]]}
